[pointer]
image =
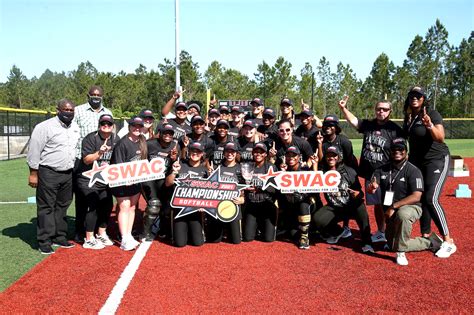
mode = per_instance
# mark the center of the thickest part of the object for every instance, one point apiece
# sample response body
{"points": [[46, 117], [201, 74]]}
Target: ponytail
{"points": [[143, 147]]}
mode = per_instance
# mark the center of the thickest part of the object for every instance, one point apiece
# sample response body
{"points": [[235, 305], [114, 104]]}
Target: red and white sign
{"points": [[302, 181], [126, 173]]}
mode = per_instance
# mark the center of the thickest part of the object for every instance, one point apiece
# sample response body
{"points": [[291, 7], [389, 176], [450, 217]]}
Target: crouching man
{"points": [[401, 184]]}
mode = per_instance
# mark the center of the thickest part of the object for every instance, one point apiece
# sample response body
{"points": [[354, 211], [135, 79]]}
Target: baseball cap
{"points": [[333, 149], [214, 112], [230, 146], [196, 118], [269, 112], [106, 117], [224, 108], [307, 112], [251, 123], [237, 108], [286, 101], [261, 146], [293, 149], [146, 113], [194, 105], [398, 143], [331, 120], [136, 121], [166, 127], [223, 122], [196, 146], [417, 89], [256, 101], [180, 104]]}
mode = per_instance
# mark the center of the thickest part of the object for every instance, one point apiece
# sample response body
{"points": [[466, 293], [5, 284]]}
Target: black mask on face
{"points": [[66, 117], [95, 101]]}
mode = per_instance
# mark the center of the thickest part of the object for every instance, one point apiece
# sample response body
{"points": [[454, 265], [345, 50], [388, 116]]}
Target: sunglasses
{"points": [[415, 95], [284, 130], [106, 123], [382, 109], [397, 149]]}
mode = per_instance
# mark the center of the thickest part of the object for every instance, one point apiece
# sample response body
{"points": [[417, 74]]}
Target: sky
{"points": [[116, 35]]}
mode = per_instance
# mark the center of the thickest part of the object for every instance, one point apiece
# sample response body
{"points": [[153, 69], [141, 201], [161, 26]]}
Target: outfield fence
{"points": [[16, 126]]}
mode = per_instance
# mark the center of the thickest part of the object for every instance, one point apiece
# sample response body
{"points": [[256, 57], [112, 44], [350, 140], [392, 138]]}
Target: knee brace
{"points": [[303, 221], [153, 209]]}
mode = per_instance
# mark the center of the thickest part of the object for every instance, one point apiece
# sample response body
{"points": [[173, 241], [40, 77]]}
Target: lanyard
{"points": [[395, 177]]}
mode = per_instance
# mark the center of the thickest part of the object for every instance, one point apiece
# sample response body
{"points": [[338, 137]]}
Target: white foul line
{"points": [[115, 297]]}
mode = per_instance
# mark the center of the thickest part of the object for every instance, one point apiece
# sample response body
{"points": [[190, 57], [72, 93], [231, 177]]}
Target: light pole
{"points": [[177, 50]]}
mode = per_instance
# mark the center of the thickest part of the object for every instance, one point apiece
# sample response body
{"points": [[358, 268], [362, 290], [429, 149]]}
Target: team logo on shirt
{"points": [[212, 195], [126, 173], [302, 181]]}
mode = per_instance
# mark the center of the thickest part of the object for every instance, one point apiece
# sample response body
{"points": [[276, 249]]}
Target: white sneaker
{"points": [[347, 232], [93, 243], [436, 242], [126, 244], [378, 237], [133, 241], [368, 249], [104, 239], [446, 250], [334, 239], [402, 259]]}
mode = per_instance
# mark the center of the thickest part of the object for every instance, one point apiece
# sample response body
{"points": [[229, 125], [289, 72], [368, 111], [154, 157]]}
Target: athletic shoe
{"points": [[126, 244], [368, 249], [347, 232], [79, 238], [63, 244], [334, 239], [104, 239], [45, 249], [304, 242], [93, 243], [436, 242], [378, 237], [133, 241], [402, 259], [446, 250]]}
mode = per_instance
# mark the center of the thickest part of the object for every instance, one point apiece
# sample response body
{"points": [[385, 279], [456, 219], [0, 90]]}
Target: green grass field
{"points": [[18, 221]]}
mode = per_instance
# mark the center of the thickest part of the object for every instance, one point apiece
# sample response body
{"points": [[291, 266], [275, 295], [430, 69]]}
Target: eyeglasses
{"points": [[382, 109], [284, 130], [106, 123], [415, 95]]}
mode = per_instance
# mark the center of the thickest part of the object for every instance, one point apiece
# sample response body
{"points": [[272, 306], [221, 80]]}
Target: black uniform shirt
{"points": [[302, 132], [126, 151], [270, 131], [406, 180], [345, 145], [179, 129], [341, 198], [199, 171], [260, 195], [301, 144], [245, 150], [204, 140]]}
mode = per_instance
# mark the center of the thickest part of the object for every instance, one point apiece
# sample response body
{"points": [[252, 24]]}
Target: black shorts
{"points": [[126, 191]]}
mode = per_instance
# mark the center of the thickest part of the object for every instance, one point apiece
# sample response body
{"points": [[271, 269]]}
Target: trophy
{"points": [[247, 172]]}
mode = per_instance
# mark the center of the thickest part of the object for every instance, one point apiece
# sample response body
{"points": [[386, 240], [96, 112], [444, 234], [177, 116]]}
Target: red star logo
{"points": [[94, 174], [269, 179]]}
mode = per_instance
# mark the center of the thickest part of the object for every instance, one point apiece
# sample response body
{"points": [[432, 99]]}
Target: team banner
{"points": [[212, 195], [302, 181], [126, 173]]}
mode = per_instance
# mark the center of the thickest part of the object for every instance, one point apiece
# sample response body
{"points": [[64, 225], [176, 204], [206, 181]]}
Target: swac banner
{"points": [[302, 181], [212, 195], [126, 173]]}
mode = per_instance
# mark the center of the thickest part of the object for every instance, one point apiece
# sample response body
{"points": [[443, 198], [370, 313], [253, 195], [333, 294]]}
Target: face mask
{"points": [[66, 117], [95, 101]]}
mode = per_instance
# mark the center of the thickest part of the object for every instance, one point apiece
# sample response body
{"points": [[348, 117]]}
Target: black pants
{"points": [[290, 213], [53, 197], [99, 207], [260, 215], [80, 201], [435, 174], [326, 219], [215, 231], [189, 226]]}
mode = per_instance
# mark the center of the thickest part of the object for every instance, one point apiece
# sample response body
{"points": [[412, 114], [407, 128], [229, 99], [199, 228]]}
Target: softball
{"points": [[226, 210]]}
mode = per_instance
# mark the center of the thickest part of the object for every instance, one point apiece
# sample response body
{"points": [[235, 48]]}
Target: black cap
{"points": [[417, 89], [146, 113], [250, 123], [331, 120], [214, 111], [222, 122], [399, 143], [261, 146], [194, 105], [237, 108], [307, 112], [231, 146], [180, 104], [224, 108], [333, 149], [135, 120], [256, 101], [106, 117], [286, 101], [293, 149], [270, 112], [196, 146], [166, 127], [196, 118]]}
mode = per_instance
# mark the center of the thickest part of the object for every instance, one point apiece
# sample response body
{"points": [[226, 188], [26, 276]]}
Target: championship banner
{"points": [[212, 195], [302, 181], [126, 173]]}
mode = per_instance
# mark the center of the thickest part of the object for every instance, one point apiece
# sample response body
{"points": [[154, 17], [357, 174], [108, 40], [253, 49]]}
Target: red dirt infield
{"points": [[259, 277]]}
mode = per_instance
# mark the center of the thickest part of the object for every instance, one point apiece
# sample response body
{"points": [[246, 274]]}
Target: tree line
{"points": [[444, 70]]}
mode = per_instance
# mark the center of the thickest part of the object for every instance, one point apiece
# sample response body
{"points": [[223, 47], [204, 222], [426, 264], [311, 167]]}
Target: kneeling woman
{"points": [[231, 172], [190, 224], [260, 209], [347, 203], [132, 147]]}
